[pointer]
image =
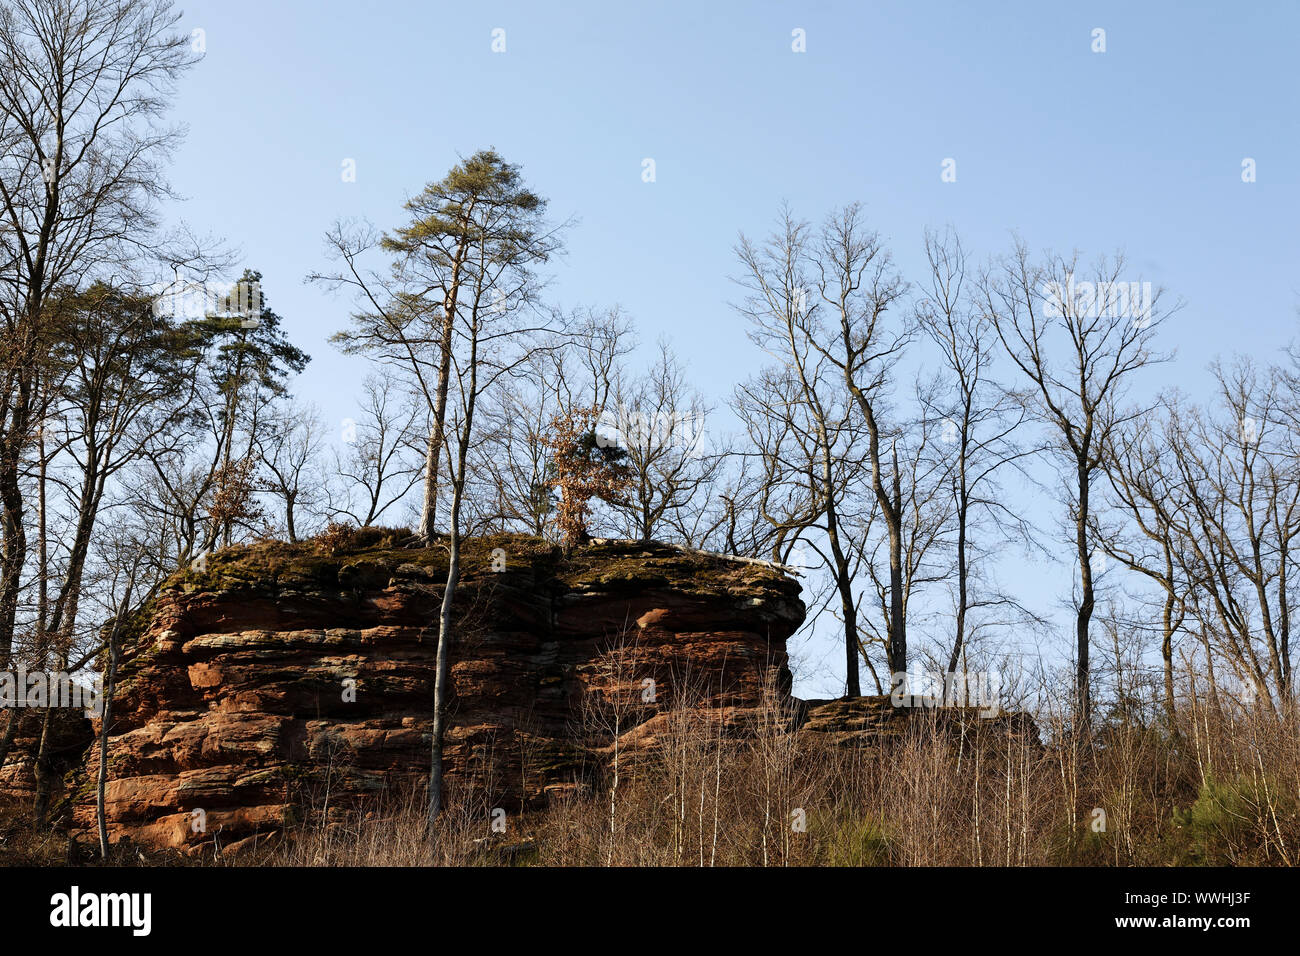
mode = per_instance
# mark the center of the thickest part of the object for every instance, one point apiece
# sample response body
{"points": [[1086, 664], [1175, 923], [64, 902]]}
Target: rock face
{"points": [[872, 720], [70, 735], [282, 680]]}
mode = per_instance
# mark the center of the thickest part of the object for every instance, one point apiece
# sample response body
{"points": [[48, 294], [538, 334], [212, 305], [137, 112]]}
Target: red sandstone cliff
{"points": [[282, 680]]}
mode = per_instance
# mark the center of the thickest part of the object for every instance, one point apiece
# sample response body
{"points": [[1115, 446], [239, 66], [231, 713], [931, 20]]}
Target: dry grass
{"points": [[1222, 787], [1223, 790]]}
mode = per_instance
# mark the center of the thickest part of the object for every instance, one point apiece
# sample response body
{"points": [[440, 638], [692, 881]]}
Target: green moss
{"points": [[366, 560], [371, 559], [259, 778]]}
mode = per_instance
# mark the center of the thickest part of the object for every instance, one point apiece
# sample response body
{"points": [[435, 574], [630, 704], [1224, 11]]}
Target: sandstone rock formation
{"points": [[872, 720], [70, 736], [282, 680]]}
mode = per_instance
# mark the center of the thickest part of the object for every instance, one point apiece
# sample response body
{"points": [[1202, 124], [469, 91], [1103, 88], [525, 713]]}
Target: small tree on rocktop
{"points": [[584, 467]]}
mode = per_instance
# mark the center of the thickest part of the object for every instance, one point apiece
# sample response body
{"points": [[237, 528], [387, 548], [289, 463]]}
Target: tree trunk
{"points": [[843, 579], [1083, 695], [844, 584], [289, 527], [432, 454], [14, 545], [445, 630], [42, 764], [897, 613], [440, 678], [437, 439], [1167, 659], [11, 563], [106, 718], [963, 598], [14, 548], [891, 510], [443, 663]]}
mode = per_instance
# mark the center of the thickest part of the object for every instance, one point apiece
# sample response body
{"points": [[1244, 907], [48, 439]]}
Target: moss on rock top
{"points": [[372, 557]]}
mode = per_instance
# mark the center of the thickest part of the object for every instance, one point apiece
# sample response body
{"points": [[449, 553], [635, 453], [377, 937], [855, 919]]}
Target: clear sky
{"points": [[1138, 148]]}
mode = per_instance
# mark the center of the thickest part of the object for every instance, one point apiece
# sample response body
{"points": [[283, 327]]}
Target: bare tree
{"points": [[288, 449], [795, 416], [1150, 501], [1077, 344], [493, 343], [1240, 525], [858, 283], [925, 510], [513, 479], [978, 424], [659, 420], [384, 450]]}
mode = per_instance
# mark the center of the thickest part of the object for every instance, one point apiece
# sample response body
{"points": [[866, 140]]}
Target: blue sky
{"points": [[1138, 148]]}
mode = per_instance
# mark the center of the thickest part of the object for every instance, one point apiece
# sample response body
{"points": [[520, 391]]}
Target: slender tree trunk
{"points": [[891, 511], [897, 612], [1083, 695], [288, 520], [442, 666], [15, 534], [11, 564], [962, 495], [43, 757], [1167, 659], [432, 455], [963, 572], [106, 718], [42, 545], [42, 610], [844, 584], [433, 450], [843, 579], [445, 629], [1284, 623], [22, 359], [219, 534]]}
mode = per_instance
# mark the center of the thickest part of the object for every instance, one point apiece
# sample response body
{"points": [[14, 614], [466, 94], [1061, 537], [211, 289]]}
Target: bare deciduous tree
{"points": [[384, 449], [660, 422], [1152, 507], [978, 426], [796, 417], [859, 285], [288, 448], [1077, 344]]}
